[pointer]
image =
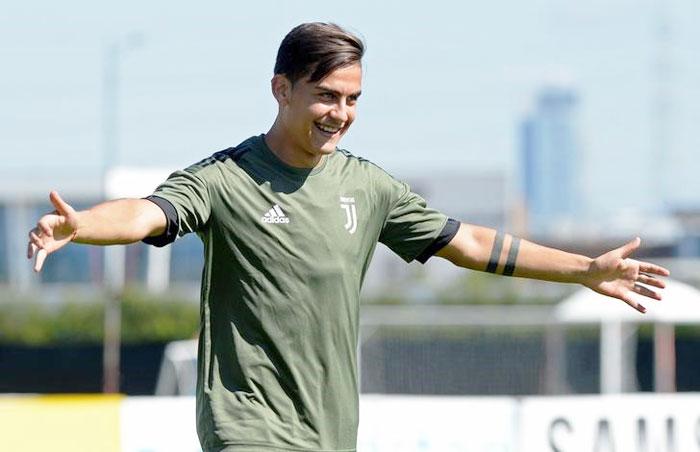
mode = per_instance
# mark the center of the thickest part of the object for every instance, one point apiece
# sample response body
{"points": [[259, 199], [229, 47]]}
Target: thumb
{"points": [[61, 206], [630, 247]]}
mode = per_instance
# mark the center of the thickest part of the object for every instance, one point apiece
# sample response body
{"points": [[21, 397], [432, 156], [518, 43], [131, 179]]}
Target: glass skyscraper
{"points": [[550, 160]]}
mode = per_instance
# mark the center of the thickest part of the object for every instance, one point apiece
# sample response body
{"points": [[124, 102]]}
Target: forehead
{"points": [[345, 80]]}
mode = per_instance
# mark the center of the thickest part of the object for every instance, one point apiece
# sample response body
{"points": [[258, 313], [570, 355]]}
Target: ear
{"points": [[281, 89]]}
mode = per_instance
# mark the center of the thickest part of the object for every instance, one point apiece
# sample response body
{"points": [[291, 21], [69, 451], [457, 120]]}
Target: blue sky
{"points": [[446, 84]]}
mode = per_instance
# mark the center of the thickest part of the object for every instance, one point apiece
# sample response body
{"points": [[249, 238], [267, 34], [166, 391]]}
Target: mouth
{"points": [[328, 130]]}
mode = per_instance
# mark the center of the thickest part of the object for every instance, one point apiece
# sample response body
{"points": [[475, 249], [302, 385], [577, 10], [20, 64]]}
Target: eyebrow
{"points": [[337, 93]]}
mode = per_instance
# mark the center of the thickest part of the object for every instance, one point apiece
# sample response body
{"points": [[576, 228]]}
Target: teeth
{"points": [[327, 129]]}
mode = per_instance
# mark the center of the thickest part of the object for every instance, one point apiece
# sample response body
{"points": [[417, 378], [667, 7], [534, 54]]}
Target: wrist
{"points": [[79, 222], [585, 271]]}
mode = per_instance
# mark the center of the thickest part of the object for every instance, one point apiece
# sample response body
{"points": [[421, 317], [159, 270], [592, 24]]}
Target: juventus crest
{"points": [[348, 204]]}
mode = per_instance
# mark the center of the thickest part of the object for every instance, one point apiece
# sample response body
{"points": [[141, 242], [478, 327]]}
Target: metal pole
{"points": [[115, 255], [611, 357], [555, 360], [112, 278], [661, 138], [112, 343], [664, 357]]}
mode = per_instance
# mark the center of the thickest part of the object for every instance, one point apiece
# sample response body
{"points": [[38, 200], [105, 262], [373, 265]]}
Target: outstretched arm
{"points": [[612, 274], [113, 222]]}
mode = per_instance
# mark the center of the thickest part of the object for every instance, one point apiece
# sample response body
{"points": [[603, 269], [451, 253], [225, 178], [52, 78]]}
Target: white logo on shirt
{"points": [[275, 215], [348, 204]]}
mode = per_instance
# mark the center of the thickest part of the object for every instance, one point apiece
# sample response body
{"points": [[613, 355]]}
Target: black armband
{"points": [[512, 256], [495, 252], [509, 267]]}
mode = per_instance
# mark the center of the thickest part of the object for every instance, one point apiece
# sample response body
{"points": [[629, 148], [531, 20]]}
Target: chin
{"points": [[326, 148], [329, 148], [324, 145]]}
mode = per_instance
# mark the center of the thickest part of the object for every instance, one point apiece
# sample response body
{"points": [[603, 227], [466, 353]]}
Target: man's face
{"points": [[315, 115]]}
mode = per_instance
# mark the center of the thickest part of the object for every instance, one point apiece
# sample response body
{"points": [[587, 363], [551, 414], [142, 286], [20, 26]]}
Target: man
{"points": [[289, 224]]}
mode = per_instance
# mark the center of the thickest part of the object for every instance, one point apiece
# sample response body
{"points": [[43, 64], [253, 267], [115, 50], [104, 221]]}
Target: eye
{"points": [[327, 96]]}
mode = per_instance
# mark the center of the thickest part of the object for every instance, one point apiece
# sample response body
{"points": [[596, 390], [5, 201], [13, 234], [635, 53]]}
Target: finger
{"points": [[627, 299], [36, 231], [31, 249], [651, 281], [646, 267], [645, 291], [44, 227], [628, 248], [61, 206], [40, 258], [36, 240]]}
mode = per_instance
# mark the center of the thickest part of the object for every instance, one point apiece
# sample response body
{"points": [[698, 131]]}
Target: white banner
{"points": [[439, 424], [387, 424], [622, 423], [159, 424]]}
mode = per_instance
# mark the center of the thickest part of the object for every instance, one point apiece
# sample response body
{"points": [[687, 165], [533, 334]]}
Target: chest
{"points": [[316, 225]]}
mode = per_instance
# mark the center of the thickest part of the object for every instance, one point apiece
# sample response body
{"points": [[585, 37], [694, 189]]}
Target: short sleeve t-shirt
{"points": [[286, 251]]}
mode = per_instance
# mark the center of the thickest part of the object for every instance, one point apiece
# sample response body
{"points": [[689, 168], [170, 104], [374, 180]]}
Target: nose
{"points": [[340, 112]]}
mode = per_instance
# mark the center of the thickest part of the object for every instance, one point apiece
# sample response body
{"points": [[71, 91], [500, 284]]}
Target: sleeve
{"points": [[185, 199], [412, 230]]}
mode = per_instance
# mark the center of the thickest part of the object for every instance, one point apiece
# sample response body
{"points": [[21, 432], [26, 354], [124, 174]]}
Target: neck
{"points": [[286, 150]]}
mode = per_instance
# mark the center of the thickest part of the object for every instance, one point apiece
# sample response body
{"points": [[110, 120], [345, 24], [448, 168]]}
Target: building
{"points": [[551, 160]]}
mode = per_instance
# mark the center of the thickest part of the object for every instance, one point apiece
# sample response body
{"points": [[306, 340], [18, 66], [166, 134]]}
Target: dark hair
{"points": [[316, 49]]}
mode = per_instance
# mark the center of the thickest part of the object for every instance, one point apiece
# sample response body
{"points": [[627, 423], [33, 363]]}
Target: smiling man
{"points": [[316, 99], [289, 224]]}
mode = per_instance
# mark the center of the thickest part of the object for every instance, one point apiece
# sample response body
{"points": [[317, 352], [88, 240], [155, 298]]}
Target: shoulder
{"points": [[347, 155], [214, 165], [350, 161], [377, 178]]}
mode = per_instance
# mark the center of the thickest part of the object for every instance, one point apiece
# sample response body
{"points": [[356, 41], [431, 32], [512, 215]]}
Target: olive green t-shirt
{"points": [[286, 251]]}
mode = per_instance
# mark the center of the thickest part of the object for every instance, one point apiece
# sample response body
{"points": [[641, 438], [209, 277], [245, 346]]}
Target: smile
{"points": [[327, 130]]}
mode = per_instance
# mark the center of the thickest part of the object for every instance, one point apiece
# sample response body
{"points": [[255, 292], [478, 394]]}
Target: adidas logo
{"points": [[275, 215]]}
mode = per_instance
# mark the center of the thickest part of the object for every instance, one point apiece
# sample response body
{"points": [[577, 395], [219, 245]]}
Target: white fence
{"points": [[630, 423], [621, 423]]}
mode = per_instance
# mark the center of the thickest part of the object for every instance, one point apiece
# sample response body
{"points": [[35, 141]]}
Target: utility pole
{"points": [[661, 102], [662, 153], [114, 255]]}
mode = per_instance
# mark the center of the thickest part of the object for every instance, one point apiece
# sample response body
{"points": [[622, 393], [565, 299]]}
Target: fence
{"points": [[631, 423]]}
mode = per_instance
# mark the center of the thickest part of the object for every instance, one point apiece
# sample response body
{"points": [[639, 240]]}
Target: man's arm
{"points": [[612, 274], [120, 221]]}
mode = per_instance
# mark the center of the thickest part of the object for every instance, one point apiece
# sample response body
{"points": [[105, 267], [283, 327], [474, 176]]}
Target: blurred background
{"points": [[573, 124]]}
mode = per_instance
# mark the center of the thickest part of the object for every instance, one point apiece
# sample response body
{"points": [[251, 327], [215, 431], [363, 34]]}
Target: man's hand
{"points": [[52, 232], [615, 275]]}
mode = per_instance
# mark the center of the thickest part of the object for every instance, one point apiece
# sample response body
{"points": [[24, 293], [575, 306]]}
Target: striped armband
{"points": [[496, 251]]}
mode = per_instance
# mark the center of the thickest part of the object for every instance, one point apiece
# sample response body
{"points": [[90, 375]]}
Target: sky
{"points": [[446, 85]]}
